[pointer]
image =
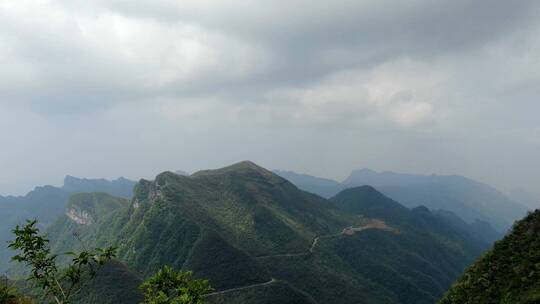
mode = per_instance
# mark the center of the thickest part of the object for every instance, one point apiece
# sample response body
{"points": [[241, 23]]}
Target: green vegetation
{"points": [[114, 283], [47, 203], [9, 294], [57, 284], [509, 273], [257, 239], [469, 199], [278, 292], [168, 286]]}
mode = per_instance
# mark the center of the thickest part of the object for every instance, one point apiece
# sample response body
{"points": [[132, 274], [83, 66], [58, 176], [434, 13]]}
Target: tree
{"points": [[57, 285], [170, 287]]}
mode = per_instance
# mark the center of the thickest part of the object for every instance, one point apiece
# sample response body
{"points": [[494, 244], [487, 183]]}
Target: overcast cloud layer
{"points": [[108, 88]]}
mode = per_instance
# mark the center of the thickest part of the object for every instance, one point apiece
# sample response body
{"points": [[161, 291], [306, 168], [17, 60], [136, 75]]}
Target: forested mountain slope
{"points": [[468, 199], [47, 203], [509, 273], [259, 239]]}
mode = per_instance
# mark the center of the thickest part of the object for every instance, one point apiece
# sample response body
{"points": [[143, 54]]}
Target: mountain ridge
{"points": [[242, 225], [469, 199]]}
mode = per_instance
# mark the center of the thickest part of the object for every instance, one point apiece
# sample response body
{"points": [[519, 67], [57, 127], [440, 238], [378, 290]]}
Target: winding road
{"points": [[242, 288], [377, 224]]}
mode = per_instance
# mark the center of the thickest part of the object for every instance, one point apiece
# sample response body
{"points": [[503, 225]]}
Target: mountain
{"points": [[259, 239], [480, 230], [509, 273], [468, 199], [320, 186], [114, 283], [47, 203], [120, 187], [277, 292]]}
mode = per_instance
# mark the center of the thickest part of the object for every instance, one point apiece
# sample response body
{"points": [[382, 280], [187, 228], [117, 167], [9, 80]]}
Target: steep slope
{"points": [[47, 203], [509, 273], [259, 239], [481, 231], [418, 261], [271, 293], [213, 222], [83, 213], [114, 283]]}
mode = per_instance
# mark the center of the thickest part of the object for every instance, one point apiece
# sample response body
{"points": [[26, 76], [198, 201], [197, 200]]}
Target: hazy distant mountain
{"points": [[469, 199], [259, 239], [509, 273], [321, 186], [47, 203], [480, 230], [119, 187], [526, 198]]}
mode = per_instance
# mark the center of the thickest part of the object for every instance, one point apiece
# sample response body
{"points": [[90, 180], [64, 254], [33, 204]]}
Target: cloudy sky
{"points": [[106, 88]]}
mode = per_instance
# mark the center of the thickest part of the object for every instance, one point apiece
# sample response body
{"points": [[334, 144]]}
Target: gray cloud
{"points": [[104, 88]]}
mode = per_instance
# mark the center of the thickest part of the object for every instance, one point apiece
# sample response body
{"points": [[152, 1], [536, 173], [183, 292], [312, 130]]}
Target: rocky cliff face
{"points": [[80, 217]]}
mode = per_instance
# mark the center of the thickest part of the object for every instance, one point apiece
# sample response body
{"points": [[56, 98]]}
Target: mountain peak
{"points": [[246, 164], [366, 200], [364, 171], [240, 167]]}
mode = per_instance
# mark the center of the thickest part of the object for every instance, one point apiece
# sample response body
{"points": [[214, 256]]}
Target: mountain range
{"points": [[260, 239], [47, 203], [469, 199]]}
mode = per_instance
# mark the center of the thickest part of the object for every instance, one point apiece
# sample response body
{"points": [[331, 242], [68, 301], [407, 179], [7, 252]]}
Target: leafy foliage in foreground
{"points": [[47, 203], [509, 273], [57, 284], [168, 286]]}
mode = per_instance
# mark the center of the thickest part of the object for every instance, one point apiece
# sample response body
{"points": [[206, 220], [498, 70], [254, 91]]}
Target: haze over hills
{"points": [[139, 89], [525, 197], [260, 239], [469, 199], [47, 203]]}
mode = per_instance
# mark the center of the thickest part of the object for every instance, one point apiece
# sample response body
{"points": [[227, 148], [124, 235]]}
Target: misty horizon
{"points": [[111, 88], [261, 152], [341, 179]]}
